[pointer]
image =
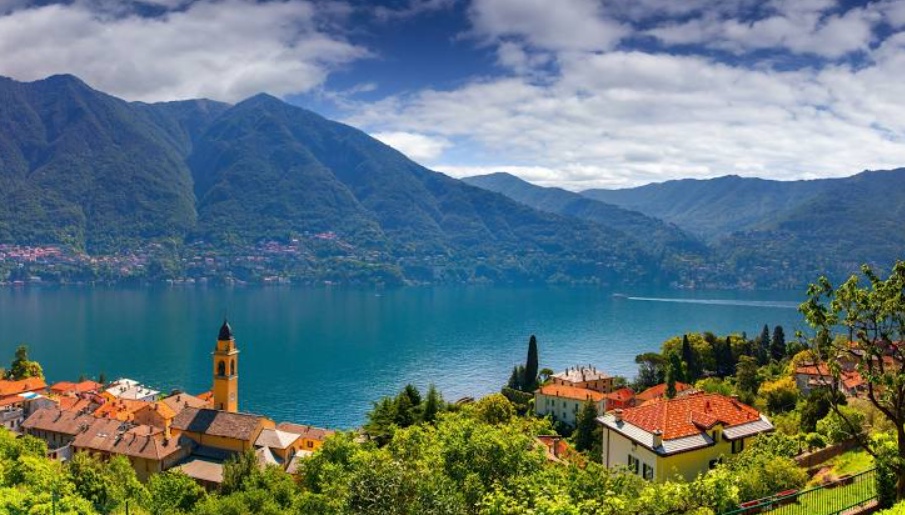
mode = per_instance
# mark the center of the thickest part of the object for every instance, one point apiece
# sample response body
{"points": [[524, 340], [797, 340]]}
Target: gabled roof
{"points": [[30, 384], [658, 391], [308, 432], [571, 392], [120, 409], [580, 374], [105, 436], [58, 421], [276, 439], [239, 426], [161, 409], [296, 461], [180, 401], [621, 395], [689, 415], [67, 387]]}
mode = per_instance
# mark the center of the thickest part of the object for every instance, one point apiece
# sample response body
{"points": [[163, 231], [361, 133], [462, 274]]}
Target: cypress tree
{"points": [[762, 348], [690, 358], [778, 345], [515, 380], [431, 405], [670, 381], [585, 427], [531, 366], [675, 363]]}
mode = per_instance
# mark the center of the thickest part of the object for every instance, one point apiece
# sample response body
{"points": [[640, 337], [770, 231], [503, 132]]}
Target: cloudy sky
{"points": [[574, 93]]}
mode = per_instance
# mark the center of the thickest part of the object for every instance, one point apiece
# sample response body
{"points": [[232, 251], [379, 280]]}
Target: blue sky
{"points": [[573, 93]]}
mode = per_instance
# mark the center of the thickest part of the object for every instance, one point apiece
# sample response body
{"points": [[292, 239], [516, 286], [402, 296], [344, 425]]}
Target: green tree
{"points": [[586, 427], [494, 409], [411, 391], [670, 381], [515, 380], [873, 316], [693, 367], [529, 383], [675, 362], [238, 471], [433, 403], [746, 376], [22, 368], [842, 424], [651, 370], [780, 395], [762, 346], [172, 492], [778, 344]]}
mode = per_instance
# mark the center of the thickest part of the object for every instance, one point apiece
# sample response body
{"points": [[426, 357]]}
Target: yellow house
{"points": [[685, 436], [310, 437], [563, 402], [584, 376], [156, 414], [235, 432]]}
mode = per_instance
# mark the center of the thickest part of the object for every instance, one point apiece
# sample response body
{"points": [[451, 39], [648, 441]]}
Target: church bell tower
{"points": [[226, 377]]}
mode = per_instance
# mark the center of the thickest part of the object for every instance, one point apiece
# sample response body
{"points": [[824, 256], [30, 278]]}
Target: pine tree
{"points": [[102, 379], [515, 380], [778, 345], [585, 427], [529, 383], [413, 394], [431, 405], [405, 411]]}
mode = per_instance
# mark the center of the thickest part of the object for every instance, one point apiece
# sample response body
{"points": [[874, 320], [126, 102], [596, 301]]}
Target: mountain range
{"points": [[263, 189]]}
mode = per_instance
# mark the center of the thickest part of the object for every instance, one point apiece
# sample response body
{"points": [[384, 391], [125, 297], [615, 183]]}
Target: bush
{"points": [[780, 395], [838, 429]]}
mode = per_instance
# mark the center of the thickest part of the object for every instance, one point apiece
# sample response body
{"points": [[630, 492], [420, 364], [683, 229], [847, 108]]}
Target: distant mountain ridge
{"points": [[712, 208], [86, 169]]}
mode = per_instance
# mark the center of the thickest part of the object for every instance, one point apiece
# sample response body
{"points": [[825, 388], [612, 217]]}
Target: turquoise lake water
{"points": [[321, 356]]}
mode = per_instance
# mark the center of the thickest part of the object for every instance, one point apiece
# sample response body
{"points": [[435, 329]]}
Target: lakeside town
{"points": [[718, 424]]}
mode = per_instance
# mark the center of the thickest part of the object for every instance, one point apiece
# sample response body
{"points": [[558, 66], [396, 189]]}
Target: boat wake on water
{"points": [[722, 302]]}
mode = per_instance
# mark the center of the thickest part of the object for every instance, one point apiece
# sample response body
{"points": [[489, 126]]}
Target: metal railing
{"points": [[833, 498]]}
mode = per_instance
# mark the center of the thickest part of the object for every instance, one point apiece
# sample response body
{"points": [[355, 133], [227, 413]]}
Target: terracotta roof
{"points": [[309, 432], [31, 384], [161, 408], [655, 392], [181, 401], [206, 396], [67, 403], [689, 415], [814, 370], [58, 421], [105, 436], [571, 392], [64, 387], [120, 409], [622, 394], [240, 426]]}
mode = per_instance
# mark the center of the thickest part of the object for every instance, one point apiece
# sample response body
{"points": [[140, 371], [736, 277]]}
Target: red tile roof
{"points": [[571, 392], [689, 415], [64, 387], [32, 384], [658, 391], [621, 395]]}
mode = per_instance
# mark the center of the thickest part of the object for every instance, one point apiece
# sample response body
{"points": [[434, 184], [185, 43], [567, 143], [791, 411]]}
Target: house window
{"points": [[648, 472], [738, 446], [633, 463]]}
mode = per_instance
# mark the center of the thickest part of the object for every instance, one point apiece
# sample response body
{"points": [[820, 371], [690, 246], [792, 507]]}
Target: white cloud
{"points": [[411, 8], [798, 26], [226, 50], [418, 147], [625, 118], [563, 25]]}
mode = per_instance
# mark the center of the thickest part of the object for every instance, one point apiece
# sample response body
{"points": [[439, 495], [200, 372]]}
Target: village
{"points": [[669, 430]]}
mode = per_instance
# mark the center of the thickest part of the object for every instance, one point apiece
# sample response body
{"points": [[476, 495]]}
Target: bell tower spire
{"points": [[226, 377]]}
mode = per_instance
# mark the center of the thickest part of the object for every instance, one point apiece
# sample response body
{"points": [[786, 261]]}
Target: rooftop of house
{"points": [[239, 426], [160, 408], [58, 421], [180, 401], [669, 426], [67, 403], [30, 384], [659, 391], [581, 373], [120, 409], [571, 392], [203, 469], [67, 387], [133, 392], [621, 395], [276, 439], [308, 432], [296, 460]]}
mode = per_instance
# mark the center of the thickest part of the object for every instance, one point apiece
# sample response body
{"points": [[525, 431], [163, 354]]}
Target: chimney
{"points": [[617, 413], [658, 438]]}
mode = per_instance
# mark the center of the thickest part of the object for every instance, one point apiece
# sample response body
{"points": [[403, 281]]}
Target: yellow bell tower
{"points": [[226, 377]]}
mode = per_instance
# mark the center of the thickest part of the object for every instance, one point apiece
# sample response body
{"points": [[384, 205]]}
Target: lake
{"points": [[322, 355]]}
